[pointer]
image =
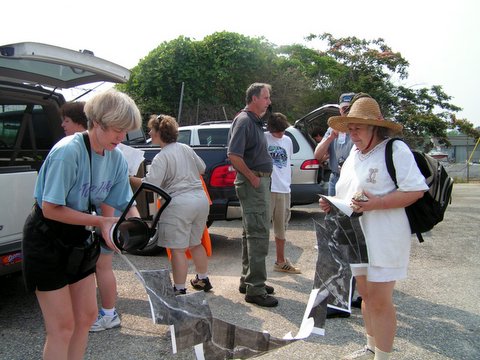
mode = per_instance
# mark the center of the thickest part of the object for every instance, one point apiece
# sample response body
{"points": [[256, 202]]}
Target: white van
{"points": [[30, 124]]}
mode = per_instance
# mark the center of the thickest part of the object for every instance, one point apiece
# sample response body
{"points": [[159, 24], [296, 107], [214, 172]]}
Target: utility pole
{"points": [[224, 113], [180, 105]]}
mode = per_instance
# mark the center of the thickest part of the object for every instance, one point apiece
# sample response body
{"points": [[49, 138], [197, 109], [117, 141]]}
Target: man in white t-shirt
{"points": [[280, 148]]}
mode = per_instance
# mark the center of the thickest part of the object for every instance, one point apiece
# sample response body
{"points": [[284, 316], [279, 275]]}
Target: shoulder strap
{"points": [[86, 140], [389, 160]]}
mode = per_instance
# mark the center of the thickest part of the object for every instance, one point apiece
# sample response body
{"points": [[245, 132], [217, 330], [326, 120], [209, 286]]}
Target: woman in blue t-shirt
{"points": [[72, 181]]}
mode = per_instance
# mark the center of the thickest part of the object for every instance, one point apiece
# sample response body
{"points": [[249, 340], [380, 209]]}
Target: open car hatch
{"points": [[56, 66]]}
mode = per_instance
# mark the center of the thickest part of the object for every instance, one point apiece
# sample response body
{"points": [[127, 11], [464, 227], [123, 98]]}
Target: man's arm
{"points": [[239, 165], [321, 151]]}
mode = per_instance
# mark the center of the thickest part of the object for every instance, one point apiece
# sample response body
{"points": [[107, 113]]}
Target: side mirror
{"points": [[135, 233]]}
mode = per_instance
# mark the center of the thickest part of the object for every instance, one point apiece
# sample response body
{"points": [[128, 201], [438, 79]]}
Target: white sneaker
{"points": [[105, 322], [362, 354]]}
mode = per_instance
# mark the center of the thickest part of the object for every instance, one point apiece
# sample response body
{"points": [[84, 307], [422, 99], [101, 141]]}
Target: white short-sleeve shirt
{"points": [[387, 232]]}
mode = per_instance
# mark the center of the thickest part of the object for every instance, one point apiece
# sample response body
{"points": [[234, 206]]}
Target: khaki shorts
{"points": [[280, 213], [182, 222]]}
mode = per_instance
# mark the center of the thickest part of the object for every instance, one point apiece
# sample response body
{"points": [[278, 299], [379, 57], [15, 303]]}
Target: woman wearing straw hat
{"points": [[384, 222]]}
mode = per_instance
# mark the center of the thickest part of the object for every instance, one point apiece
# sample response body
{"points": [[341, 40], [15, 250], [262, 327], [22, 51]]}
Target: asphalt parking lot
{"points": [[437, 306]]}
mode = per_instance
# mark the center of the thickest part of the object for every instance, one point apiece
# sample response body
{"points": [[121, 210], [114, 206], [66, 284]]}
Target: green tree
{"points": [[155, 83], [215, 72], [374, 68]]}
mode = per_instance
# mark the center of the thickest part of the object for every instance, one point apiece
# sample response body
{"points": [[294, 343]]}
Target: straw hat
{"points": [[363, 111]]}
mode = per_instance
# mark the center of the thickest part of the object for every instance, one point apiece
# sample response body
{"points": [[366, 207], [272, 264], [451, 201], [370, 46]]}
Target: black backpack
{"points": [[427, 211]]}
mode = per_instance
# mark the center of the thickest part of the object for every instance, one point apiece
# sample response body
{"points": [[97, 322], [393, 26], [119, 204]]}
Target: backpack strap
{"points": [[389, 160], [391, 169]]}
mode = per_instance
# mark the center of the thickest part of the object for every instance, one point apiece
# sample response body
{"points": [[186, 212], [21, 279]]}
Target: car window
{"points": [[11, 127], [18, 122], [9, 124], [296, 147], [213, 136], [135, 137], [184, 136]]}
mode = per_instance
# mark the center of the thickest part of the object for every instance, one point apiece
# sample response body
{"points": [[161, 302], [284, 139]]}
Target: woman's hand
{"points": [[367, 202], [324, 205], [106, 225]]}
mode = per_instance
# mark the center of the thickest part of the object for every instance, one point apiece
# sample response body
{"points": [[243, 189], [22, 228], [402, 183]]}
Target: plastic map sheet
{"points": [[340, 242]]}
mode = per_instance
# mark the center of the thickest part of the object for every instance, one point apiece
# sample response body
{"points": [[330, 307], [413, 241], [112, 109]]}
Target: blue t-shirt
{"points": [[64, 178]]}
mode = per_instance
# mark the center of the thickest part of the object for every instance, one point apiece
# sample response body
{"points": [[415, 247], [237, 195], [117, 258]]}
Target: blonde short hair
{"points": [[113, 109]]}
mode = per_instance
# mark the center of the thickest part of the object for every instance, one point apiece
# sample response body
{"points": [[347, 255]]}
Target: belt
{"points": [[261, 173]]}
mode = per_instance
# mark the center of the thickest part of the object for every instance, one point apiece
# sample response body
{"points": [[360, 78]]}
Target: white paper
{"points": [[133, 156], [307, 325], [340, 204]]}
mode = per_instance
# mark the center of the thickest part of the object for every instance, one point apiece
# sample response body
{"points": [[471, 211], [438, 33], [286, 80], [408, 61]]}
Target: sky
{"points": [[439, 38]]}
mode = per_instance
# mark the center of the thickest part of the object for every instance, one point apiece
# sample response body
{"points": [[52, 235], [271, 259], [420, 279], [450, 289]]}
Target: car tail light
{"points": [[311, 164], [223, 176]]}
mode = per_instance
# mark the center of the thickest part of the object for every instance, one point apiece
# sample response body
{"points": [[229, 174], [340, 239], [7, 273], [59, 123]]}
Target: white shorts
{"points": [[379, 274]]}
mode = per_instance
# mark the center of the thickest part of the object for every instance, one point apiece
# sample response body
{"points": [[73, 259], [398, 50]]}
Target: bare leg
{"points": [[85, 310], [362, 290], [382, 313], [199, 257], [280, 247], [68, 314], [179, 266], [106, 281], [57, 314]]}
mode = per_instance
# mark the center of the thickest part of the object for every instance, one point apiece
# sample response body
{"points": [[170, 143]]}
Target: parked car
{"points": [[30, 124], [305, 187], [316, 121]]}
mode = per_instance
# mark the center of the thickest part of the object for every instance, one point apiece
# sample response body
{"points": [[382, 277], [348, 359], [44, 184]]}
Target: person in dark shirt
{"points": [[247, 151]]}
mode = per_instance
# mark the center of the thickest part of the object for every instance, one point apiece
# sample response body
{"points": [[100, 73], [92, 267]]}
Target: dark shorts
{"points": [[44, 262]]}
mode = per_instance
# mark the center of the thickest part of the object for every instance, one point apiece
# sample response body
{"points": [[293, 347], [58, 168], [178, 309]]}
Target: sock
{"points": [[202, 276], [371, 342], [109, 312], [179, 286], [381, 355]]}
